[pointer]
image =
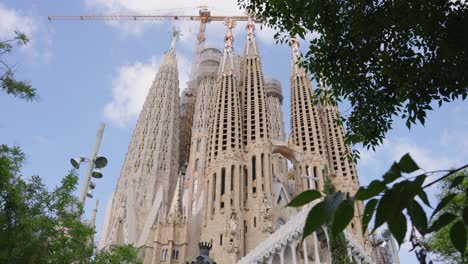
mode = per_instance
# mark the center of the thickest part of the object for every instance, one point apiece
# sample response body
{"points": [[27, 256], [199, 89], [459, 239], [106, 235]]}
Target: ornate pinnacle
{"points": [[295, 46], [250, 25], [229, 38], [175, 36]]}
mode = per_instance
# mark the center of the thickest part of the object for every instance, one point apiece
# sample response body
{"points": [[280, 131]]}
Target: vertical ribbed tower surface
{"points": [[342, 169], [306, 129], [207, 79], [258, 218], [150, 169], [222, 219], [187, 108], [275, 103]]}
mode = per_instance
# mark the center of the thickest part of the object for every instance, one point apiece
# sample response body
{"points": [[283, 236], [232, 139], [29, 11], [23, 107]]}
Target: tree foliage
{"points": [[393, 200], [338, 243], [38, 226], [387, 58], [440, 242], [41, 226], [119, 254], [8, 82]]}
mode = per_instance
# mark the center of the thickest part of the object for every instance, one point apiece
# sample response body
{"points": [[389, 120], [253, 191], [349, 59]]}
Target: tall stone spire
{"points": [[342, 168], [275, 103], [306, 130], [257, 144], [150, 169], [222, 219], [207, 78]]}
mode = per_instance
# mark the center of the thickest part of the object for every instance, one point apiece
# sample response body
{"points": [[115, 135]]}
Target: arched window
{"points": [[196, 164]]}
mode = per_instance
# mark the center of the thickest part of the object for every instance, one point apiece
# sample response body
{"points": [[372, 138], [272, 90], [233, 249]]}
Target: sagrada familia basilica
{"points": [[211, 165]]}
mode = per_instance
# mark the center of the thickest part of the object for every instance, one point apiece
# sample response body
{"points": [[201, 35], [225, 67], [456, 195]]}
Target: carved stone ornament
{"points": [[266, 215]]}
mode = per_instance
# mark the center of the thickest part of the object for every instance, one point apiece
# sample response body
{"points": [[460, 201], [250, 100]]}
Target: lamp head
{"points": [[92, 185], [100, 162], [97, 173], [89, 194], [77, 161]]}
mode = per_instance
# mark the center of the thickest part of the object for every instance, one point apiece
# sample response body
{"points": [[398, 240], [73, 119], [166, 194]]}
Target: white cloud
{"points": [[394, 148], [38, 49], [131, 85], [12, 20]]}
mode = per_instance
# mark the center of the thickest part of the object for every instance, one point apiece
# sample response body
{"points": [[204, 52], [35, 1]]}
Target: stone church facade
{"points": [[212, 164]]}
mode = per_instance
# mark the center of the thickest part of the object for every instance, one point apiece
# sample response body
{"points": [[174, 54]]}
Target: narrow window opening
{"points": [[223, 181], [221, 239], [232, 177], [261, 164], [255, 221], [214, 187], [254, 168]]}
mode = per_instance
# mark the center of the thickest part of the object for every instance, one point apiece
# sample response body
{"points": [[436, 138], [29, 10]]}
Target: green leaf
{"points": [[407, 164], [465, 215], [332, 201], [304, 198], [441, 222], [457, 181], [418, 217], [458, 236], [368, 212], [315, 219], [343, 215], [383, 211], [392, 174], [443, 203], [397, 226], [374, 188], [424, 198]]}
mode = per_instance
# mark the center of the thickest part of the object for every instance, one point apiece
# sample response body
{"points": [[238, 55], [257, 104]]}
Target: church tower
{"points": [[258, 218], [222, 216], [341, 168], [150, 170], [275, 103], [306, 130], [207, 73]]}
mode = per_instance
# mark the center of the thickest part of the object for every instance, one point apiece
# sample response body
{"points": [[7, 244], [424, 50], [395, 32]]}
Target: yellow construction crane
{"points": [[204, 16]]}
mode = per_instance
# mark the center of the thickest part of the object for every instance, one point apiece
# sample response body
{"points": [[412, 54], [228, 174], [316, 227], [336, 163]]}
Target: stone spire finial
{"points": [[295, 47], [250, 26], [175, 36], [296, 65], [229, 38], [227, 64]]}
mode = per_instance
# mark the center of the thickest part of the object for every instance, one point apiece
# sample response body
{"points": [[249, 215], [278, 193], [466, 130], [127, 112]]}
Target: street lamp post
{"points": [[95, 164]]}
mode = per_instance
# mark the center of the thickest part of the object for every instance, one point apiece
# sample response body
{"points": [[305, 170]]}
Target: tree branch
{"points": [[446, 175]]}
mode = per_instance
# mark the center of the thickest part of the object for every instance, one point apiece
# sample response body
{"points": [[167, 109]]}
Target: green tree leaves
{"points": [[42, 226], [458, 236], [119, 254], [8, 82], [393, 200], [315, 219], [345, 212], [389, 60], [304, 198]]}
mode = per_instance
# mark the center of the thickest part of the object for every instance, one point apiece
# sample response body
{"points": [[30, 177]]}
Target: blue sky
{"points": [[92, 71]]}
